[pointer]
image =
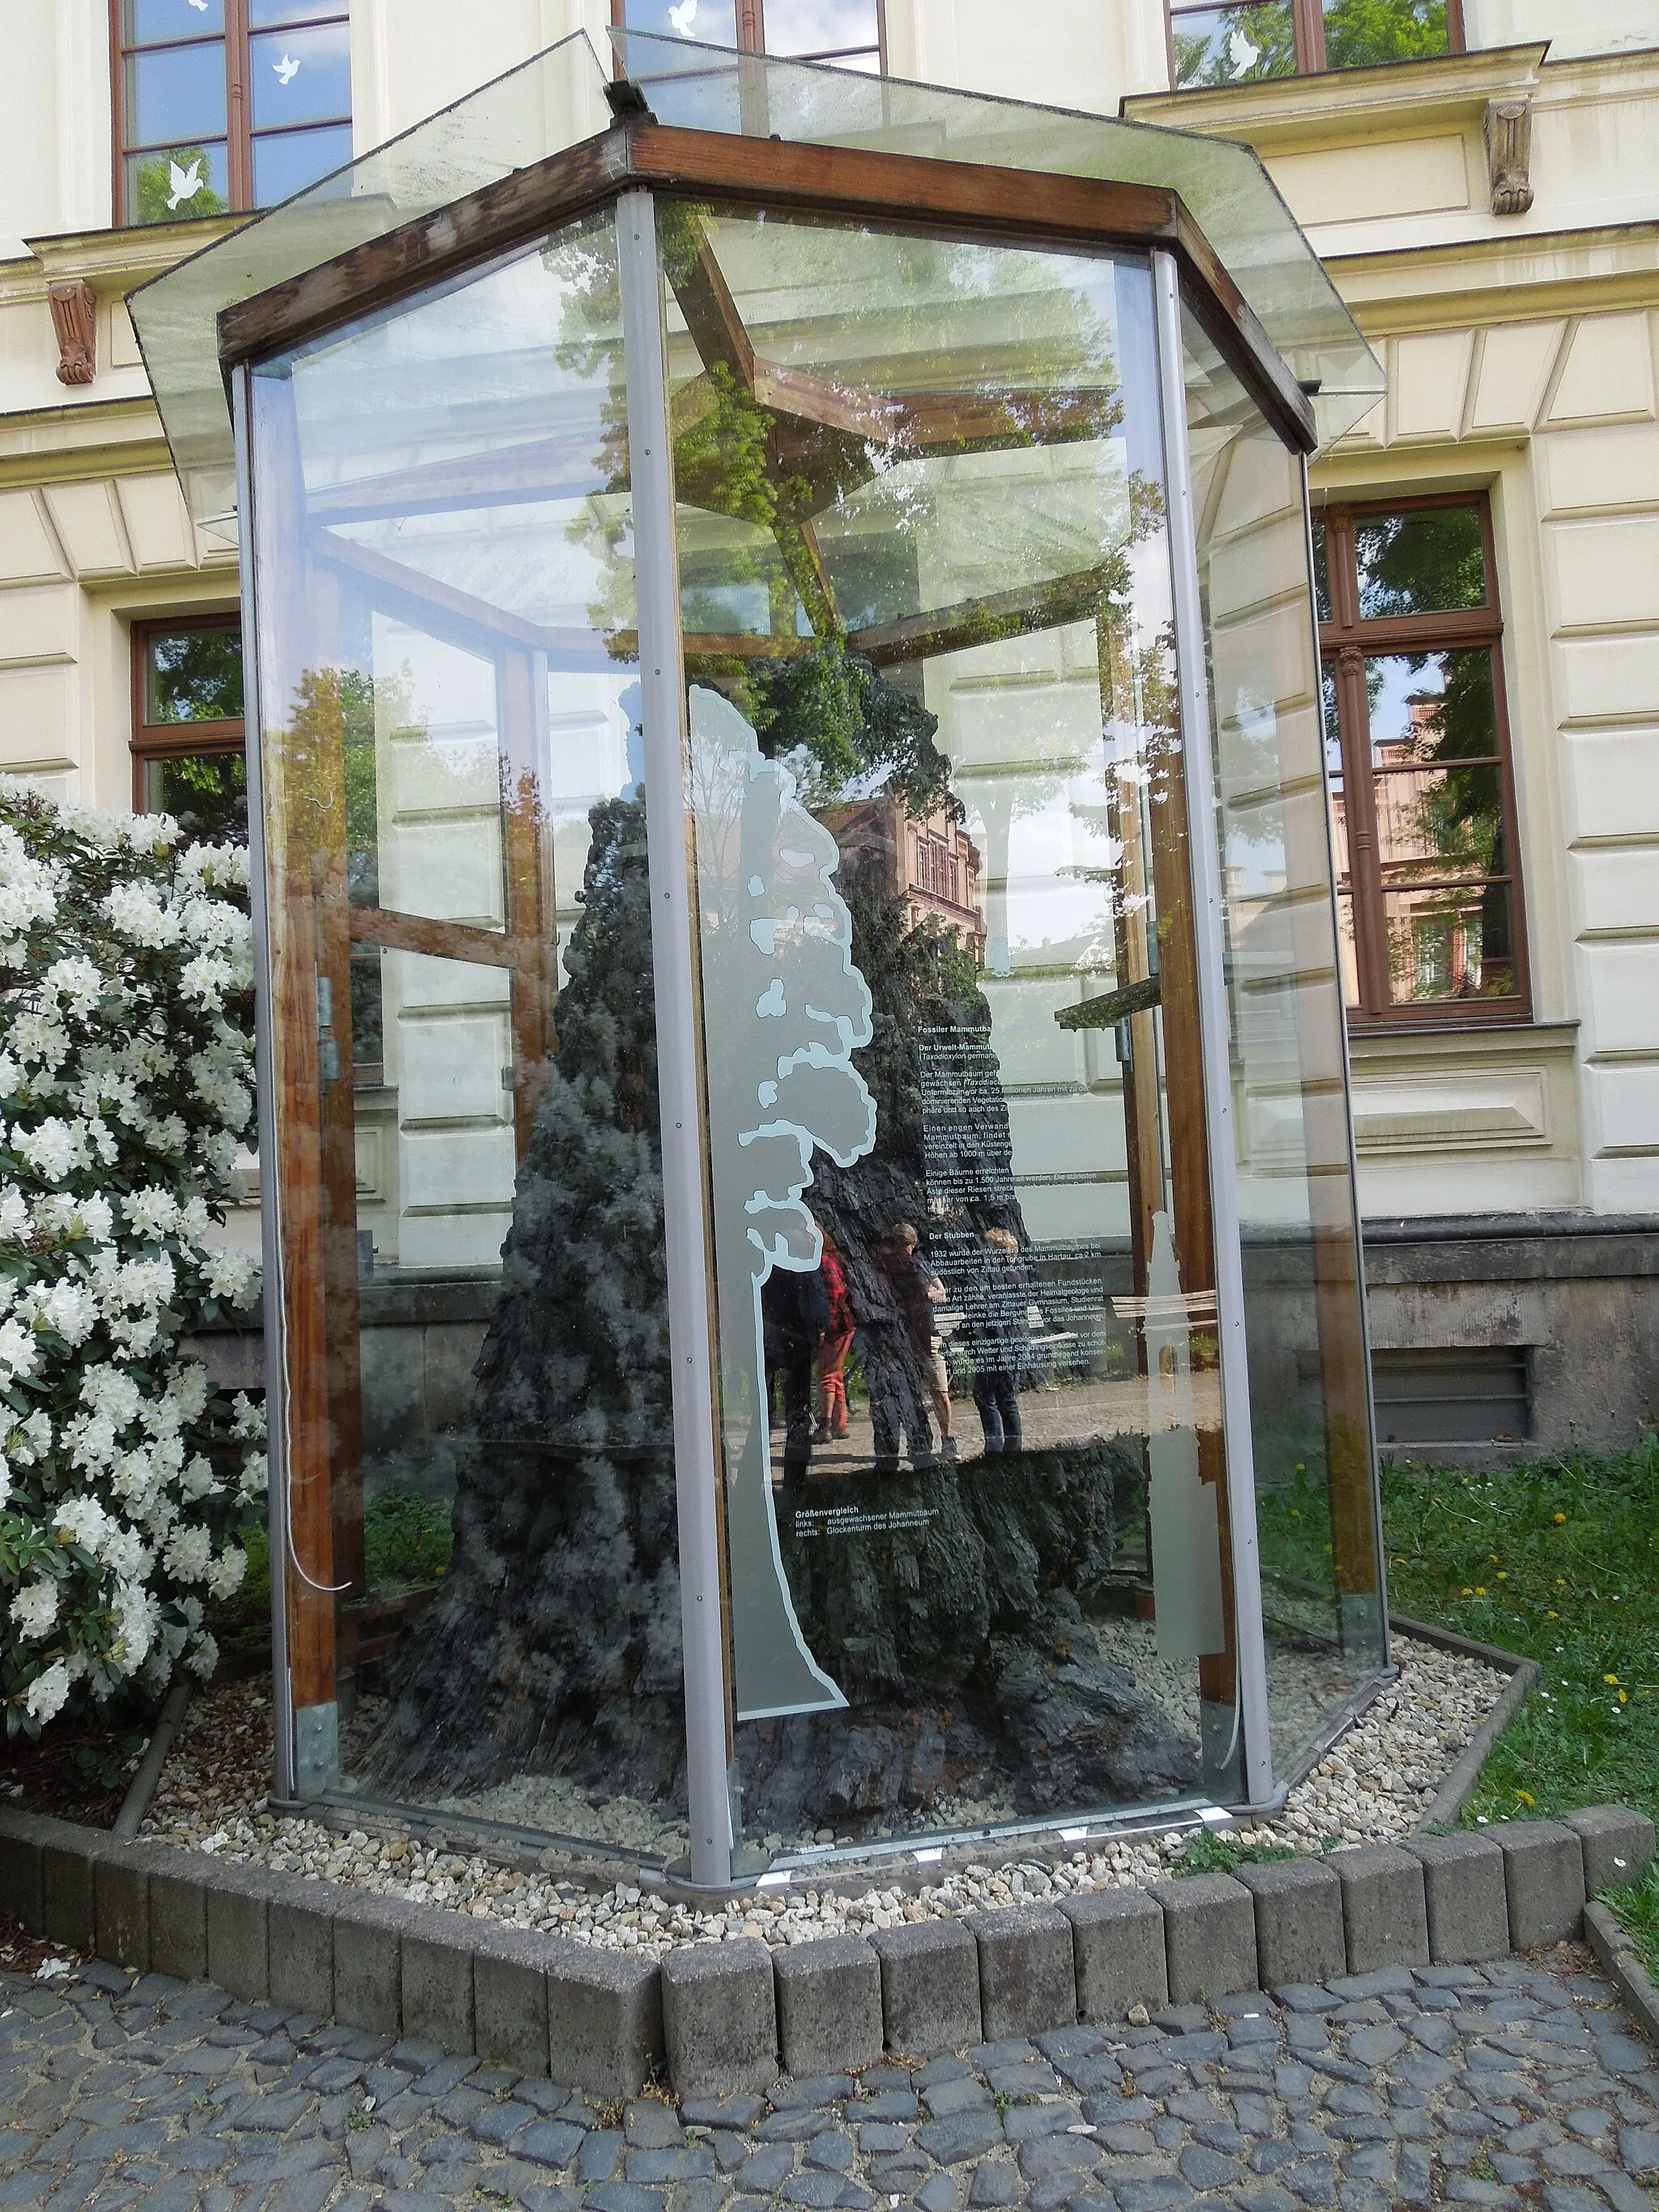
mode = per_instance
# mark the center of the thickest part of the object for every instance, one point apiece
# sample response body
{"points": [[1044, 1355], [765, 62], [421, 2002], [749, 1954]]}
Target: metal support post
{"points": [[1215, 1029], [282, 1698], [679, 1057]]}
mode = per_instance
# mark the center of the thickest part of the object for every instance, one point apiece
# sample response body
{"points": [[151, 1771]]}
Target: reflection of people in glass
{"points": [[997, 1330], [907, 1363], [837, 1342], [795, 1312]]}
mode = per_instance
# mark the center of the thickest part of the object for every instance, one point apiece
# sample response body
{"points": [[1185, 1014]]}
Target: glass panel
{"points": [[970, 1406], [1233, 44], [179, 182], [1426, 561], [151, 23], [479, 1424], [300, 77], [821, 27], [193, 674], [1309, 1412], [206, 793], [712, 20], [288, 160], [176, 94], [1359, 32], [1457, 942]]}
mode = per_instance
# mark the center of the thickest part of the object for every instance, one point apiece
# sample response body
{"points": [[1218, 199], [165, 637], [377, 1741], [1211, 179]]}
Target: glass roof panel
{"points": [[1227, 191], [557, 99]]}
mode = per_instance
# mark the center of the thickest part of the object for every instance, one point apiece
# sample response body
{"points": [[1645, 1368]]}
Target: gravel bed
{"points": [[1373, 1785]]}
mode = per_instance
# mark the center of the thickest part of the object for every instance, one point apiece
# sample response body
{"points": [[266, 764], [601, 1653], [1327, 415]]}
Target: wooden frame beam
{"points": [[893, 191]]}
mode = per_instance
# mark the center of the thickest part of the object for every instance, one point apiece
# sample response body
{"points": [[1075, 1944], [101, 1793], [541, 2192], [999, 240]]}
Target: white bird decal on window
{"points": [[681, 18], [1242, 54], [185, 184], [287, 69]]}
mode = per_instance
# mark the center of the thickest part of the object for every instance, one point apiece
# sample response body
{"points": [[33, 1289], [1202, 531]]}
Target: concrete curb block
{"points": [[1624, 1969], [728, 2015]]}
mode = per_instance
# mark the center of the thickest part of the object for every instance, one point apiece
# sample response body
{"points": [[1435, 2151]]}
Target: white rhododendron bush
{"points": [[125, 1086]]}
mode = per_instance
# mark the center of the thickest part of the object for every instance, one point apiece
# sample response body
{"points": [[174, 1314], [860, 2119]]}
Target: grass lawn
{"points": [[1559, 1561]]}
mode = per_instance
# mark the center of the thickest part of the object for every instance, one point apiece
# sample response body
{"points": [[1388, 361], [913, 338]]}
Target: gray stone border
{"points": [[727, 2014], [1623, 1968]]}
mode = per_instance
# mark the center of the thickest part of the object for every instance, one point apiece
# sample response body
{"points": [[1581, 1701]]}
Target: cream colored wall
{"points": [[1555, 416]]}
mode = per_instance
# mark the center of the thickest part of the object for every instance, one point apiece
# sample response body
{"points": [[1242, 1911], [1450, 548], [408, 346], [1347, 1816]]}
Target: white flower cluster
{"points": [[125, 1085]]}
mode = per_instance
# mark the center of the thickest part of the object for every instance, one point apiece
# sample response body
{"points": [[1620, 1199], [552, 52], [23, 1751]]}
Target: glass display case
{"points": [[813, 1253]]}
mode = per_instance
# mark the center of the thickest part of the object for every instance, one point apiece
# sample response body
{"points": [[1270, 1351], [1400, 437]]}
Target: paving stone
{"points": [[938, 2193], [966, 2135], [551, 2142], [995, 2185]]}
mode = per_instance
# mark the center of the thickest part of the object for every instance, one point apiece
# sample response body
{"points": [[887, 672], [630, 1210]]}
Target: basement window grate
{"points": [[1462, 1393]]}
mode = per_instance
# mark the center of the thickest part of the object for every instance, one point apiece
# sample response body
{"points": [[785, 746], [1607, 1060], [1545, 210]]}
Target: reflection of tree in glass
{"points": [[1237, 45], [554, 1644], [1361, 32], [196, 675], [206, 793], [156, 188], [1421, 560]]}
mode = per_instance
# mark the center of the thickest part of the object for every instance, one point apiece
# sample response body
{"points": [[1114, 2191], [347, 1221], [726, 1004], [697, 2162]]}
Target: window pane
{"points": [[148, 22], [178, 182], [713, 19], [1433, 823], [300, 77], [194, 676], [1427, 560], [288, 161], [1233, 46], [1431, 706], [206, 793], [817, 27], [1347, 957], [262, 14], [1456, 944], [176, 94], [1361, 31]]}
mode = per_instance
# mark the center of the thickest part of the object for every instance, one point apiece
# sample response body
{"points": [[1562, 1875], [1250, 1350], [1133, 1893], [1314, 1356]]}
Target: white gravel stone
{"points": [[1372, 1786]]}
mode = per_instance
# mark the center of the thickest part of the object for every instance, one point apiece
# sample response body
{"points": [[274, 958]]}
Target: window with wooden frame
{"points": [[851, 33], [188, 746], [1423, 801], [223, 105], [1242, 41]]}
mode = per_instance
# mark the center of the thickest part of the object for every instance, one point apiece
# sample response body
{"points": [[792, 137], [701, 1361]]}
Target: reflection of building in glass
{"points": [[932, 863], [1437, 931]]}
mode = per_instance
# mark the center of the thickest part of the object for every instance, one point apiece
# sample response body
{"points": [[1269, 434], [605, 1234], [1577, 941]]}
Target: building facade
{"points": [[1484, 188]]}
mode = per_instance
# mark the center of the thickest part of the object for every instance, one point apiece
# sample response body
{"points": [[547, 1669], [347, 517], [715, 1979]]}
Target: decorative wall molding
{"points": [[1509, 154], [75, 317]]}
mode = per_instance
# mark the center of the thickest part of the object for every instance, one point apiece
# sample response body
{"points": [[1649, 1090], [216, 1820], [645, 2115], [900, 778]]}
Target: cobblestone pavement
{"points": [[1519, 2084]]}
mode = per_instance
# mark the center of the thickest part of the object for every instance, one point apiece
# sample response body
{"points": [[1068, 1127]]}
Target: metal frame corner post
{"points": [[281, 1699], [679, 1059], [1384, 1632], [1191, 662]]}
